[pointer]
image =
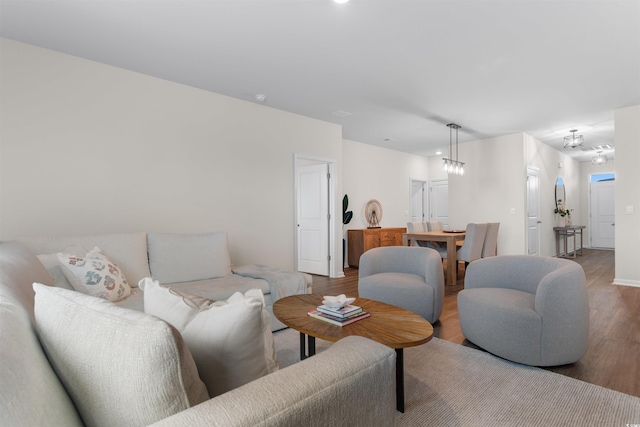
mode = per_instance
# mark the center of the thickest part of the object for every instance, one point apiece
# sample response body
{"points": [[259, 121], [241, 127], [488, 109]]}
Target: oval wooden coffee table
{"points": [[392, 326]]}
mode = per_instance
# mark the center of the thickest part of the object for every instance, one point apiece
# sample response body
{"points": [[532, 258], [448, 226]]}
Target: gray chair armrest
{"points": [[351, 383]]}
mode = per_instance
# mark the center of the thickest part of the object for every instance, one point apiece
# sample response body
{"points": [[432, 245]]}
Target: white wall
{"points": [[89, 148], [494, 183], [385, 175], [627, 193]]}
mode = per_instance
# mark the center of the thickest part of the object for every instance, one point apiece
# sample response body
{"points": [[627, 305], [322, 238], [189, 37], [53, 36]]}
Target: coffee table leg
{"points": [[308, 348], [400, 380], [303, 346]]}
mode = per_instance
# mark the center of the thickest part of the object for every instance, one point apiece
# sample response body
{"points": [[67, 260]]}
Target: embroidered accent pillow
{"points": [[94, 274], [231, 341]]}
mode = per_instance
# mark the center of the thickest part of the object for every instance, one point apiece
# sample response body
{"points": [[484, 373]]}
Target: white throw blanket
{"points": [[282, 283]]}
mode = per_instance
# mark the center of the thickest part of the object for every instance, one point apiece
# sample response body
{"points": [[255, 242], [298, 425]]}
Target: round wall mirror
{"points": [[560, 192]]}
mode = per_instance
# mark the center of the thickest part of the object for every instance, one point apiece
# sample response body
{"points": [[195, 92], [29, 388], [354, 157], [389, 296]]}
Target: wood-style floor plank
{"points": [[613, 356]]}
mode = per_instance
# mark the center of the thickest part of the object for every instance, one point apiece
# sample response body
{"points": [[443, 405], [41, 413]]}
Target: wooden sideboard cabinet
{"points": [[363, 239]]}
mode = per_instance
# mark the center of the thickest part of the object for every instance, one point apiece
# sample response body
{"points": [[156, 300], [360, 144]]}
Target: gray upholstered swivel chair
{"points": [[490, 247], [407, 277], [528, 309]]}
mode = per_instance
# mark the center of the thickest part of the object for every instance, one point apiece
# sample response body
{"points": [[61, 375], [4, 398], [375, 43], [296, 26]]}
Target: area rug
{"points": [[451, 385]]}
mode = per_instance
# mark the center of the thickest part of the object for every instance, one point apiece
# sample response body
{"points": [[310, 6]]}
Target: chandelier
{"points": [[599, 159], [451, 166], [573, 141]]}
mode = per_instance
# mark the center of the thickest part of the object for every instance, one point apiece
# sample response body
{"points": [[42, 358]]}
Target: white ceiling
{"points": [[403, 69]]}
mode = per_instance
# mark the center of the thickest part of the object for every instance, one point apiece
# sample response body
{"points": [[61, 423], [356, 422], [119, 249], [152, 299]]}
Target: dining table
{"points": [[450, 238]]}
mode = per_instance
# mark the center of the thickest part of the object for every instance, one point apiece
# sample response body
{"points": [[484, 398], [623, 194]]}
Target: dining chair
{"points": [[490, 247], [434, 226], [471, 249], [416, 226]]}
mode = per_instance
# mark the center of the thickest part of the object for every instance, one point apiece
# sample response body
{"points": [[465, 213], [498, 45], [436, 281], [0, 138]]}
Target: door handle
{"points": [[539, 222], [614, 224]]}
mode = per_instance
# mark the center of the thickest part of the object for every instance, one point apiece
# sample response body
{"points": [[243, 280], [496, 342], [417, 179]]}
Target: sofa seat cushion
{"points": [[502, 321], [409, 291], [119, 366], [231, 341], [188, 257]]}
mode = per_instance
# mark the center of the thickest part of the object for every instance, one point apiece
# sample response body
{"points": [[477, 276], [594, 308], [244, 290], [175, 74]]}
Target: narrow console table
{"points": [[564, 234]]}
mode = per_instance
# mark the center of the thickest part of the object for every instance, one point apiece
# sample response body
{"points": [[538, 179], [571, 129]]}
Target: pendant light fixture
{"points": [[451, 166], [573, 141], [599, 159]]}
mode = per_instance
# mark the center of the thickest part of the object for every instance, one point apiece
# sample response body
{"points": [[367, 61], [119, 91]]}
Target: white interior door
{"points": [[533, 212], [417, 201], [313, 219], [602, 211], [439, 201]]}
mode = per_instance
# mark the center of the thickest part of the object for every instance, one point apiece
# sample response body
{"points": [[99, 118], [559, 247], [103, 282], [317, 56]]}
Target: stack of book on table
{"points": [[339, 316]]}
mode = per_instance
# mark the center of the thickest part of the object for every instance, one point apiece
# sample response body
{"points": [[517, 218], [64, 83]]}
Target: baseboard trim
{"points": [[623, 282]]}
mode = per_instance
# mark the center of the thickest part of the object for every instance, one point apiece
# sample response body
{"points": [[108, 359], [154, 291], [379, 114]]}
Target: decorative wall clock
{"points": [[373, 213]]}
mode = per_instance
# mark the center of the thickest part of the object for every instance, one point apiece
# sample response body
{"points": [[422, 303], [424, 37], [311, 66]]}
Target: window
{"points": [[599, 177]]}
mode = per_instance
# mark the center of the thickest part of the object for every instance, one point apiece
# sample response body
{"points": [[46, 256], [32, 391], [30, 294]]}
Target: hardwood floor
{"points": [[613, 356]]}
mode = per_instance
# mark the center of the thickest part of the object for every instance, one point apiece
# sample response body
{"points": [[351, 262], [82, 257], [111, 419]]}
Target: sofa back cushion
{"points": [[175, 258], [120, 367], [127, 250], [31, 394]]}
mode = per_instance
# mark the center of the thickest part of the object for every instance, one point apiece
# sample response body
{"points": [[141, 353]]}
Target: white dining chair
{"points": [[416, 226], [471, 249], [490, 247], [434, 226]]}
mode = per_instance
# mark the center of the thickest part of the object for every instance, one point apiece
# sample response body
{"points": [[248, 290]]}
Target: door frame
{"points": [[430, 212], [589, 242], [535, 172], [332, 164], [425, 198]]}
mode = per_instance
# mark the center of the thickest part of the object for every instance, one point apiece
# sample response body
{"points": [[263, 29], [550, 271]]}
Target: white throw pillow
{"points": [[94, 274], [231, 341], [121, 367]]}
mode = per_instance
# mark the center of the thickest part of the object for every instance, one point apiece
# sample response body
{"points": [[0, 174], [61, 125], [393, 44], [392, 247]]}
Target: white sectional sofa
{"points": [[351, 383], [196, 263]]}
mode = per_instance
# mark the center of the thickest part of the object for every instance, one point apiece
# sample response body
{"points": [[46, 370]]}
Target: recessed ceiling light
{"points": [[341, 113], [340, 1], [438, 153], [261, 97]]}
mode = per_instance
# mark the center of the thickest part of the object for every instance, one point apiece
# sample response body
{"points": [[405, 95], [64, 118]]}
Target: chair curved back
{"points": [[471, 250], [411, 278], [434, 226], [413, 227], [555, 332], [490, 247]]}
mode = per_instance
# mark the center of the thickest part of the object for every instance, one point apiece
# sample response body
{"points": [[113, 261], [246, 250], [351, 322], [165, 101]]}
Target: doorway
{"points": [[439, 201], [418, 200], [533, 211], [314, 225], [602, 211]]}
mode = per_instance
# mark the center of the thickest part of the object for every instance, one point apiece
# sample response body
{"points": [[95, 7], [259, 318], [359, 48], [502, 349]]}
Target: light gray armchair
{"points": [[527, 309], [408, 277]]}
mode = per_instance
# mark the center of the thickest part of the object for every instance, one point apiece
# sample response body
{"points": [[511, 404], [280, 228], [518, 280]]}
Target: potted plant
{"points": [[563, 212], [346, 219]]}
